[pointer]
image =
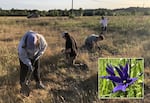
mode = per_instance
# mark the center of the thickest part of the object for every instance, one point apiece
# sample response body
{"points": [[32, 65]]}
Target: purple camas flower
{"points": [[123, 80]]}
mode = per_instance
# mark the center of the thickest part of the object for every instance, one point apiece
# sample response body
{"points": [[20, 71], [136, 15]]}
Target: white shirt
{"points": [[25, 55], [104, 22]]}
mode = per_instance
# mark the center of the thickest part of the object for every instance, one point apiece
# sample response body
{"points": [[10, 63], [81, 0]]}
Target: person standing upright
{"points": [[103, 23]]}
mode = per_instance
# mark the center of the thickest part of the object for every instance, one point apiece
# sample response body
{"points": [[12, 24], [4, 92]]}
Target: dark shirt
{"points": [[71, 44], [92, 38]]}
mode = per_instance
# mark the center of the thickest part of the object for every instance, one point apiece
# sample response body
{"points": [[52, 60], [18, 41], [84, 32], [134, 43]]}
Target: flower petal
{"points": [[119, 87], [125, 71], [115, 79], [120, 73], [132, 80], [110, 70]]}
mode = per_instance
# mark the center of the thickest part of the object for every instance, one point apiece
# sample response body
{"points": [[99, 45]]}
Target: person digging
{"points": [[71, 52], [92, 40], [31, 47]]}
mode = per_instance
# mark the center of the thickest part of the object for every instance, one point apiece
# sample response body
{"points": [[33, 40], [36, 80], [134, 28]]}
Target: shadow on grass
{"points": [[54, 62], [9, 87], [112, 50], [7, 40], [78, 92], [142, 32], [69, 87], [9, 79]]}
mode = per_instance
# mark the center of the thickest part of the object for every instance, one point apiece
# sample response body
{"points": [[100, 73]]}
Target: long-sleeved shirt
{"points": [[25, 54], [71, 44], [91, 38]]}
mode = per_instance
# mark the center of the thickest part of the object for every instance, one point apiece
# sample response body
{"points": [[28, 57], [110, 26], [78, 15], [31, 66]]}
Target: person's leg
{"points": [[105, 28], [67, 59], [23, 72], [25, 90], [36, 74], [72, 60], [102, 29]]}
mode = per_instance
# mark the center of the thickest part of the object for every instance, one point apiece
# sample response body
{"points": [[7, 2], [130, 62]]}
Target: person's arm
{"points": [[42, 46], [23, 55], [68, 50], [24, 58], [95, 42]]}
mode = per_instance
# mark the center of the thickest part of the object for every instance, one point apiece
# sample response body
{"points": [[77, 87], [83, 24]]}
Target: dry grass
{"points": [[126, 37]]}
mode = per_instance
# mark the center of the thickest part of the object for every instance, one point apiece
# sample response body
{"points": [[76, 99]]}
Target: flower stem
{"points": [[125, 94]]}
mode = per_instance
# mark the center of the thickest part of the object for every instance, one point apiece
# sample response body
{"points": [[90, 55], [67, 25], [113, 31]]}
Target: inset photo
{"points": [[121, 78]]}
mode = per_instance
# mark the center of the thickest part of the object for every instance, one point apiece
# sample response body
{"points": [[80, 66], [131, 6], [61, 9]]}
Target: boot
{"points": [[25, 90], [40, 85]]}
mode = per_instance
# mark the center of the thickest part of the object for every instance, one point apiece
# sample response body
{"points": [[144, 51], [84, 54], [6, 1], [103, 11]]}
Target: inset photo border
{"points": [[121, 78]]}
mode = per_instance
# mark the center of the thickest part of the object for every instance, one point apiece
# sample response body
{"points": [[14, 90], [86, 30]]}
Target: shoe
{"points": [[40, 85], [25, 90]]}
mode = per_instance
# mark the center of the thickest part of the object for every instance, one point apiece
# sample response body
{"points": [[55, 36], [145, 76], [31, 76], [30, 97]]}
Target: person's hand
{"points": [[68, 51], [99, 48], [63, 51], [30, 68], [35, 59]]}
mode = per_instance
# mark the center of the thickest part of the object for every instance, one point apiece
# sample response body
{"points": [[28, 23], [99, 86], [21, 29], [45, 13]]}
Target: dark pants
{"points": [[70, 59], [103, 29], [24, 71]]}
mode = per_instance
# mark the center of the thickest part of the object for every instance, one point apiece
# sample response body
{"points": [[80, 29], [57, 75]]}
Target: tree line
{"points": [[77, 12]]}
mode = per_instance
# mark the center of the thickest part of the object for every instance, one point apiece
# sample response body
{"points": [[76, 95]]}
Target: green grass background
{"points": [[135, 90]]}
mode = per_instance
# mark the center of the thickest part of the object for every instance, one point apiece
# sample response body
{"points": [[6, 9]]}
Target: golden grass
{"points": [[125, 35]]}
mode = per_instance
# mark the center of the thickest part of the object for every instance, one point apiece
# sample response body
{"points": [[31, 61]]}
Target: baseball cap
{"points": [[64, 33]]}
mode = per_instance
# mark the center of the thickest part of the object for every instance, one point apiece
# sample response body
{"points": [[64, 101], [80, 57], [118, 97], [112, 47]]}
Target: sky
{"points": [[66, 4]]}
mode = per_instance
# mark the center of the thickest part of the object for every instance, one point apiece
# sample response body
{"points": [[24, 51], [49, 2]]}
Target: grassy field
{"points": [[127, 36]]}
